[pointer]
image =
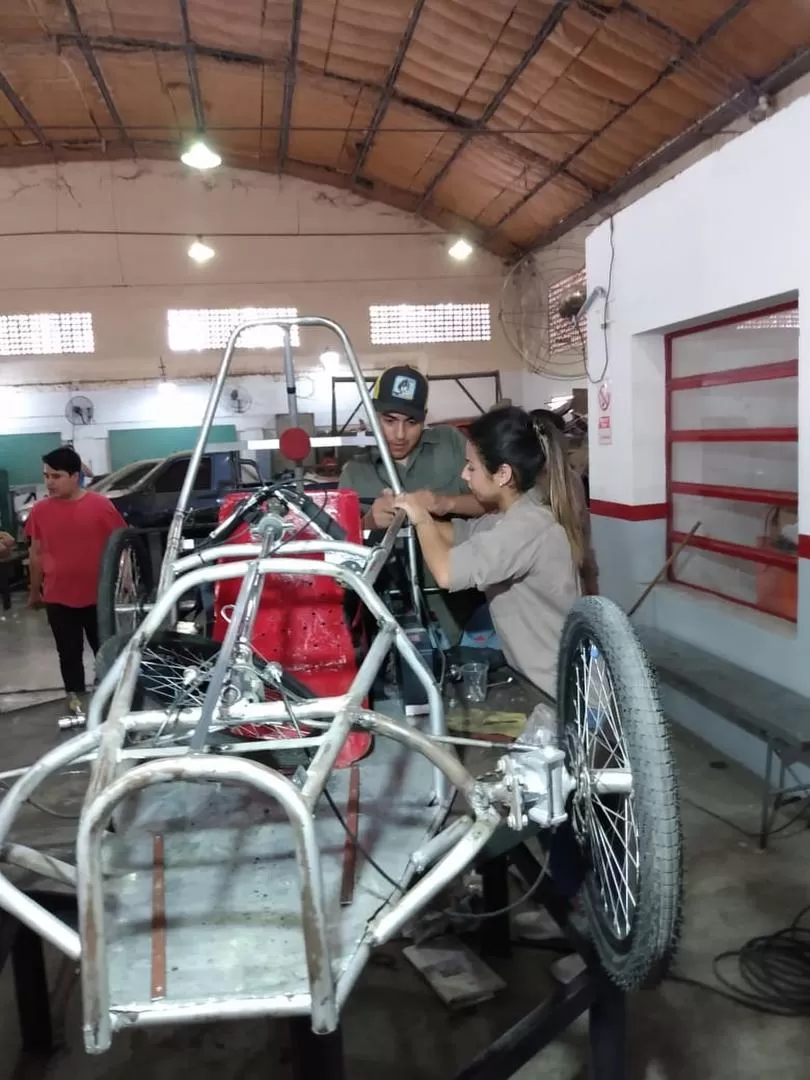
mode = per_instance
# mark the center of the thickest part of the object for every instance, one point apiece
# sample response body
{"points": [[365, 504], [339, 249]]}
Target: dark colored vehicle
{"points": [[145, 492]]}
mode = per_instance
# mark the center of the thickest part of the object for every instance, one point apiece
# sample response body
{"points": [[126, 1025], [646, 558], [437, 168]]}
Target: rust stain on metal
{"points": [[350, 847], [158, 919], [310, 923]]}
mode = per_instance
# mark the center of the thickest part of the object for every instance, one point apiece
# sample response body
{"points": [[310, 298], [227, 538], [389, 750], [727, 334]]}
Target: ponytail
{"points": [[558, 485], [533, 447]]}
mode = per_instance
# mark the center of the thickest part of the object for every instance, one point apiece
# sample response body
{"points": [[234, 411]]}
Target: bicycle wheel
{"points": [[126, 584], [624, 808]]}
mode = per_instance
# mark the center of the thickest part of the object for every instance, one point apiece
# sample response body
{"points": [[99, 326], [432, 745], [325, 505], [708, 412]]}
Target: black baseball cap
{"points": [[401, 390]]}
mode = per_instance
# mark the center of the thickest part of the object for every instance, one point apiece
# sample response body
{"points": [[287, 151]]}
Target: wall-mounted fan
{"points": [[542, 311], [79, 411], [238, 400]]}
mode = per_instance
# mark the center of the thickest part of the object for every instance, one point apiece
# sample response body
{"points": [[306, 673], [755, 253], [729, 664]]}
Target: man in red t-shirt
{"points": [[68, 533]]}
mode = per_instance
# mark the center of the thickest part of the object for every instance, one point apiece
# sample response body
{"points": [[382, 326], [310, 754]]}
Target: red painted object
{"points": [[764, 496], [301, 622], [776, 570], [747, 435]]}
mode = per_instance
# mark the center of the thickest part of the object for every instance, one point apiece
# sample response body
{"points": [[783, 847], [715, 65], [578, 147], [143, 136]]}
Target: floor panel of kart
{"points": [[230, 885]]}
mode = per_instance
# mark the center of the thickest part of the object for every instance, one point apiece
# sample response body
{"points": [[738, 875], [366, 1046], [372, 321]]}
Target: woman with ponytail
{"points": [[527, 553]]}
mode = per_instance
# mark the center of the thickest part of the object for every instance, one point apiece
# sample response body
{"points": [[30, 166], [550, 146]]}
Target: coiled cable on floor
{"points": [[773, 972]]}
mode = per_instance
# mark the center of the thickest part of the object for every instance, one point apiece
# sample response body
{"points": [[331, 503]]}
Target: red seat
{"points": [[301, 622]]}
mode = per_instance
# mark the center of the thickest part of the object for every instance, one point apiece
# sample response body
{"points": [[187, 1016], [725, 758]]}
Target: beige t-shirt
{"points": [[521, 560]]}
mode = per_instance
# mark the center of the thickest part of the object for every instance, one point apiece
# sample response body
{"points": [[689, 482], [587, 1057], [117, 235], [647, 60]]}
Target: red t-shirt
{"points": [[72, 535]]}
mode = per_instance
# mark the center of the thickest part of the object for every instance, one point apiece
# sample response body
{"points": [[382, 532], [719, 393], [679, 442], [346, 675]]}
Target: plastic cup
{"points": [[474, 682]]}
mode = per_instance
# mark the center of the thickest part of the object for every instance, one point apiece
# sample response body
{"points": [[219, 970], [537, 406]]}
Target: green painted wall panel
{"points": [[21, 455], [137, 444]]}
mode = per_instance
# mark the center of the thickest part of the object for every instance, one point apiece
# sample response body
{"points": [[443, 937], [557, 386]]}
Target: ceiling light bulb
{"points": [[461, 250], [199, 155], [200, 252], [330, 360]]}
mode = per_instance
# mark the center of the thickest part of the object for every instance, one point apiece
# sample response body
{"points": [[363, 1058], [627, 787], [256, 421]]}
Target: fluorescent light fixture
{"points": [[199, 155], [331, 360], [461, 250], [200, 252]]}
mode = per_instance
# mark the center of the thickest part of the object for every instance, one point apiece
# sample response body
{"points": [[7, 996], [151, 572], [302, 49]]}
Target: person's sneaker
{"points": [[74, 705]]}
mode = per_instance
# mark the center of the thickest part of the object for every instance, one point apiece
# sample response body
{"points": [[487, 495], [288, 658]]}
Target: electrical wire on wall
{"points": [[608, 291]]}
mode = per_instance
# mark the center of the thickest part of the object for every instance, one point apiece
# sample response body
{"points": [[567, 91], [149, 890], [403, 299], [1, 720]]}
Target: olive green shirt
{"points": [[435, 465]]}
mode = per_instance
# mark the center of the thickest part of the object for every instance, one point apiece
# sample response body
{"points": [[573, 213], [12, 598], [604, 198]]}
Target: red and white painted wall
{"points": [[725, 239]]}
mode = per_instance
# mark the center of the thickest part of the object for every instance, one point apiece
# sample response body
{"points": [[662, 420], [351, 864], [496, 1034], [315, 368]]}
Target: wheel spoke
{"points": [[596, 744]]}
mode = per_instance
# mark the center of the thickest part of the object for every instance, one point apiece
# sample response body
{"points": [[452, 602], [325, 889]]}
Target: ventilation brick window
{"points": [[47, 334], [424, 324], [782, 320], [563, 336], [196, 329]]}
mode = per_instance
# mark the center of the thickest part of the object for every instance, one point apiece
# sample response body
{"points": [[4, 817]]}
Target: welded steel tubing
{"points": [[425, 856], [287, 547], [38, 863], [249, 590], [176, 527], [321, 765], [390, 922], [50, 763], [160, 1013], [39, 919], [274, 565], [196, 768], [382, 553], [289, 376]]}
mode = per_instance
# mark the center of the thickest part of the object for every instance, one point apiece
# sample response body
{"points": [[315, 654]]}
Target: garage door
{"points": [[136, 444], [21, 455]]}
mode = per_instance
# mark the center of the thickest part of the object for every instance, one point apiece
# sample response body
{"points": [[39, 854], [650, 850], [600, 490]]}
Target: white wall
{"points": [[111, 238], [731, 233]]}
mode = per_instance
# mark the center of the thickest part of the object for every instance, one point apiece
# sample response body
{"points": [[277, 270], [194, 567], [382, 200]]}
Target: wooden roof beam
{"points": [[290, 76], [795, 68], [86, 50], [190, 49], [684, 53], [385, 97], [545, 31], [22, 110]]}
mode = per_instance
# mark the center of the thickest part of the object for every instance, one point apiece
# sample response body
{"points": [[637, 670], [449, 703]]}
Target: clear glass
{"points": [[474, 682]]}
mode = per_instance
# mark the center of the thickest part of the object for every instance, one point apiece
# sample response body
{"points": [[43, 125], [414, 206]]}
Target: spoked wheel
{"points": [[175, 673], [126, 584], [624, 808]]}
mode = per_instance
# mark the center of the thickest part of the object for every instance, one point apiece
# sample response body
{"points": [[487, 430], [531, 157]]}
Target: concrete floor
{"points": [[394, 1027], [29, 668]]}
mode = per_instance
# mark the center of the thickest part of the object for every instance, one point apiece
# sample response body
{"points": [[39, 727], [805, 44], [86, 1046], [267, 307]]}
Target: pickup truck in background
{"points": [[146, 492]]}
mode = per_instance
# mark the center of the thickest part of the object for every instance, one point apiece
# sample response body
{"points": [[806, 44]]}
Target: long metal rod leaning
{"points": [[174, 537]]}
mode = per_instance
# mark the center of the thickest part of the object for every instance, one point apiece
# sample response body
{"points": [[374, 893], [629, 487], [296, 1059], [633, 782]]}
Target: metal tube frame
{"points": [[106, 792], [174, 537], [440, 859]]}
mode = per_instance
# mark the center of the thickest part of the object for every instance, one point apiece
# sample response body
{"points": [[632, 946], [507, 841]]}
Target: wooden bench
{"points": [[780, 717]]}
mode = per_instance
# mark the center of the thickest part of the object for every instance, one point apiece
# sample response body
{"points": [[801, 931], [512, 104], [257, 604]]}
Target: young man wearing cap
{"points": [[429, 461]]}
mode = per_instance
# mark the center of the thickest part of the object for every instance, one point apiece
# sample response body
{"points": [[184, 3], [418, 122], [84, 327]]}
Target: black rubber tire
{"points": [[641, 957], [118, 543]]}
